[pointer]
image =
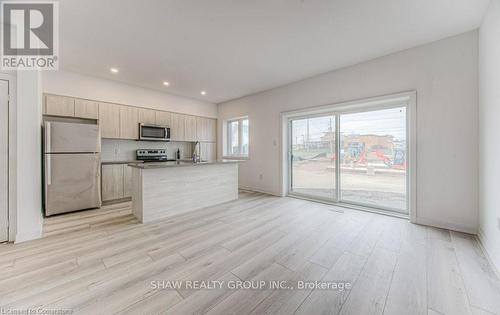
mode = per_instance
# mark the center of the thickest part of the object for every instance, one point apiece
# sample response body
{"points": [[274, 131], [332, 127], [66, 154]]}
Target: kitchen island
{"points": [[165, 189]]}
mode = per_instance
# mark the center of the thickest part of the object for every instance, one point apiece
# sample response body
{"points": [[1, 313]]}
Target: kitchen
{"points": [[116, 138], [253, 142]]}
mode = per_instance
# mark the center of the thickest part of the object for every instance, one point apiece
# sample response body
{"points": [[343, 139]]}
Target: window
{"points": [[355, 153], [237, 137]]}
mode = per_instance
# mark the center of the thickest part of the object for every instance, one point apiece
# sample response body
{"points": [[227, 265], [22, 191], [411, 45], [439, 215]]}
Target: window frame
{"points": [[361, 105], [228, 139]]}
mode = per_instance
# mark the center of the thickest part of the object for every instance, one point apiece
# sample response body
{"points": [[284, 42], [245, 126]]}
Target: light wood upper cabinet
{"points": [[164, 119], [122, 121], [59, 106], [112, 181], [86, 109], [109, 120], [201, 128], [147, 116], [190, 129], [177, 129], [206, 129], [212, 130], [129, 122]]}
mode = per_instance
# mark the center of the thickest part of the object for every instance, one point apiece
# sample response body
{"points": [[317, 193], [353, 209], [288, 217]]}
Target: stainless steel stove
{"points": [[152, 155]]}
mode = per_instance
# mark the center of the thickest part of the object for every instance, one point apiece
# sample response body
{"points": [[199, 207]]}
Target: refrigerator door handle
{"points": [[47, 137], [49, 170]]}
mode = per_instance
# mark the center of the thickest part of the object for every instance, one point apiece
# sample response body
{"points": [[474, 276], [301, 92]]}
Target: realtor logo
{"points": [[29, 35]]}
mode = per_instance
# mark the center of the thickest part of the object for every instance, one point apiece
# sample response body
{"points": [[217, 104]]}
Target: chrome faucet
{"points": [[196, 152]]}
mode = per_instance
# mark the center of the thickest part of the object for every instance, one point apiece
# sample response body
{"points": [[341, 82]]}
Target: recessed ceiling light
{"points": [[166, 83], [114, 70], [203, 92]]}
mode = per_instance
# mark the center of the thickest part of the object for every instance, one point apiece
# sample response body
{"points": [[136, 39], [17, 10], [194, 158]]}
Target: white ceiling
{"points": [[232, 48]]}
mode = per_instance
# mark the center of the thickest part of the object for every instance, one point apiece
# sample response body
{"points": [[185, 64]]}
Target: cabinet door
{"points": [[190, 128], [129, 122], [163, 119], [212, 130], [208, 151], [86, 109], [177, 129], [112, 181], [59, 106], [109, 120], [147, 116], [201, 129], [127, 181]]}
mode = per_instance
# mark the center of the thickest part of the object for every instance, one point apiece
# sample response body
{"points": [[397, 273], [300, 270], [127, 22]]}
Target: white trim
{"points": [[228, 136], [379, 102], [12, 149], [28, 236], [249, 188], [469, 229], [493, 258]]}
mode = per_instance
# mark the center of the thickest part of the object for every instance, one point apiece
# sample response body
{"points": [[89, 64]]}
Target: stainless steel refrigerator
{"points": [[71, 166]]}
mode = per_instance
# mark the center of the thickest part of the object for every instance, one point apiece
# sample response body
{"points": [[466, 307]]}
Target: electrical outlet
{"points": [[261, 177]]}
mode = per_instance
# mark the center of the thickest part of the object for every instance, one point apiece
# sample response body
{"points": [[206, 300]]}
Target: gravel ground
{"points": [[318, 178]]}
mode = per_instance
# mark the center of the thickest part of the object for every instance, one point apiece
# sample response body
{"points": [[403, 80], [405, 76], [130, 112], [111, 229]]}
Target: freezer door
{"points": [[64, 137], [72, 182]]}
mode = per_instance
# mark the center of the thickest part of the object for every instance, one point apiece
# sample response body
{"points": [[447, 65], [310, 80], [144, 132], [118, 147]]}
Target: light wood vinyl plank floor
{"points": [[104, 262]]}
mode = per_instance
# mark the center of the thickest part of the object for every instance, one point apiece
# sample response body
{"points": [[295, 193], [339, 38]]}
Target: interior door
{"points": [[313, 159], [4, 158]]}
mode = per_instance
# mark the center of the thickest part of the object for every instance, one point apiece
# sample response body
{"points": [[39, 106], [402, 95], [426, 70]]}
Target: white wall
{"points": [[83, 86], [489, 140], [28, 186], [443, 73]]}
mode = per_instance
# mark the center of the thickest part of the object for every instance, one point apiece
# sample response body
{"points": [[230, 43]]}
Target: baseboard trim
{"points": [[483, 243], [20, 237], [447, 225], [263, 191]]}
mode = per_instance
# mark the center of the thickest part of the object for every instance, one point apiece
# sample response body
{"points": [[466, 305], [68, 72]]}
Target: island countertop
{"points": [[153, 165]]}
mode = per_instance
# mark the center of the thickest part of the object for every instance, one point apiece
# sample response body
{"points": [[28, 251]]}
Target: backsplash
{"points": [[124, 150]]}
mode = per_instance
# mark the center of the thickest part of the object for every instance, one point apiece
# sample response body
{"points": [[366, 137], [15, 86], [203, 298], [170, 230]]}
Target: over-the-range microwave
{"points": [[154, 133]]}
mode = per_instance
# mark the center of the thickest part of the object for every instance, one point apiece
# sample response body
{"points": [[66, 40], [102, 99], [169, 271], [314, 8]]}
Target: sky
{"points": [[381, 122]]}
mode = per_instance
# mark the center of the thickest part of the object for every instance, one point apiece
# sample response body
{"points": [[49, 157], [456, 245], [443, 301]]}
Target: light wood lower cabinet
{"points": [[208, 151], [127, 181], [116, 181]]}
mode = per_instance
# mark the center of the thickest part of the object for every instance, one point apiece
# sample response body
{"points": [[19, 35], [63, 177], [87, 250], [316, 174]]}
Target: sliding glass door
{"points": [[371, 168], [373, 158], [313, 147]]}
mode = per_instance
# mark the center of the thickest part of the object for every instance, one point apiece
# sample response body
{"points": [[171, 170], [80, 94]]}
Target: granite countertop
{"points": [[121, 162], [153, 165]]}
